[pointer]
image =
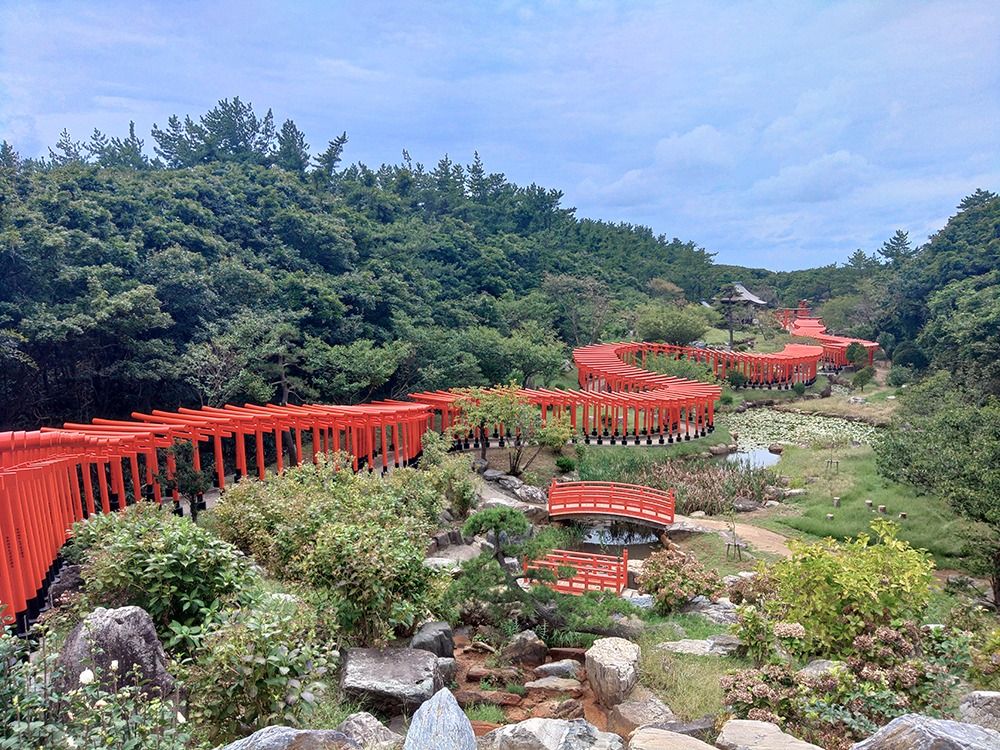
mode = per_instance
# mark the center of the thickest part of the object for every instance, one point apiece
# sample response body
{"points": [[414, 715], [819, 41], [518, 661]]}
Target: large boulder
{"points": [[550, 734], [440, 723], [743, 734], [613, 669], [981, 707], [286, 738], [117, 646], [626, 717], [701, 729], [396, 678], [369, 732], [534, 513], [917, 732], [563, 668], [530, 494], [649, 738], [525, 648], [435, 637]]}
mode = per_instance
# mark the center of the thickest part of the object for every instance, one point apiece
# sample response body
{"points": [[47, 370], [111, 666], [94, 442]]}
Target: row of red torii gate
{"points": [[52, 477]]}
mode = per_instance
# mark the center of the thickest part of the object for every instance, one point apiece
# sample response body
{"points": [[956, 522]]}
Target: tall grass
{"points": [[709, 486]]}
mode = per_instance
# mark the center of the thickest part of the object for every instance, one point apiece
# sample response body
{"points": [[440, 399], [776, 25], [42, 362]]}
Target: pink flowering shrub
{"points": [[674, 579]]}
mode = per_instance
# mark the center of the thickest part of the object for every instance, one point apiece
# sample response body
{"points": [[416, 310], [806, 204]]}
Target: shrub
{"points": [[375, 576], [799, 388], [861, 379], [257, 668], [565, 463], [674, 579], [898, 375], [842, 590], [736, 379], [152, 559], [726, 399], [33, 713]]}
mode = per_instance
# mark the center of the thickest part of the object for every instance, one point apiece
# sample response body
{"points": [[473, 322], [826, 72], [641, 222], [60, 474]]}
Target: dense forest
{"points": [[236, 266]]}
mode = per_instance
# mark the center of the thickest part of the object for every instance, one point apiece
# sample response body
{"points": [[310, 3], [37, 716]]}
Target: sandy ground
{"points": [[758, 538]]}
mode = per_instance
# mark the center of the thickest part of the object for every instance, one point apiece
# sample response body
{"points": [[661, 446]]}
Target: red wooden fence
{"points": [[591, 572], [629, 501]]}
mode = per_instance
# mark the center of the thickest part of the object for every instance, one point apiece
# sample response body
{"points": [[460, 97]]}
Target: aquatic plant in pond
{"points": [[759, 428]]}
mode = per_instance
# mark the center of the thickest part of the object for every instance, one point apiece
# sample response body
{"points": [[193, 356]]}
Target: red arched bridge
{"points": [[52, 477], [612, 500]]}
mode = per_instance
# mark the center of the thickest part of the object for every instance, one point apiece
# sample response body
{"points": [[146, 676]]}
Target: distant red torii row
{"points": [[47, 477], [799, 321]]}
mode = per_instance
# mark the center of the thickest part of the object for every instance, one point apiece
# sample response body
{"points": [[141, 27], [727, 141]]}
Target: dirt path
{"points": [[758, 538]]}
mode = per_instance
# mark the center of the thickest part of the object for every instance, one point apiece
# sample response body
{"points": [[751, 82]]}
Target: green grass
{"points": [[930, 524], [688, 684], [710, 551], [486, 712]]}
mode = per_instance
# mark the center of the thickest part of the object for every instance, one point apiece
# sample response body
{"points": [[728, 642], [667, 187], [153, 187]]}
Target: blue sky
{"points": [[776, 133]]}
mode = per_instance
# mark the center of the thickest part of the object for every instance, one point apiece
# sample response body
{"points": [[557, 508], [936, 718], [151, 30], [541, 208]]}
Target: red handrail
{"points": [[592, 572], [631, 501]]}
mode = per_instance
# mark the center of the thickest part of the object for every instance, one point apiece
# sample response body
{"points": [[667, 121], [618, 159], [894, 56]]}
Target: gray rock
{"points": [[722, 611], [448, 667], [492, 475], [917, 732], [771, 504], [440, 723], [286, 738], [652, 738], [554, 684], [718, 450], [369, 732], [513, 566], [745, 505], [743, 734], [125, 635], [550, 734], [794, 493], [529, 494], [391, 678], [441, 563], [702, 729], [688, 527], [723, 644], [70, 580], [563, 668], [819, 667], [612, 668], [981, 707], [687, 646], [509, 483], [777, 448], [480, 465], [435, 637], [626, 717], [525, 648], [535, 513]]}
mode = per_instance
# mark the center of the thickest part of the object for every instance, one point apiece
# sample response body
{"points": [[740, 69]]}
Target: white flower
{"points": [[180, 718], [86, 677], [114, 665], [101, 703], [71, 742]]}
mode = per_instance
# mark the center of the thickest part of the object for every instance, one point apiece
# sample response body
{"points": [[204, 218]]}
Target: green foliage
{"points": [[508, 405], [674, 579], [185, 479], [358, 538], [682, 368], [862, 378], [839, 591], [736, 379], [150, 558], [101, 711], [882, 681], [898, 375], [452, 475], [671, 326], [856, 354], [799, 388], [257, 668], [565, 463]]}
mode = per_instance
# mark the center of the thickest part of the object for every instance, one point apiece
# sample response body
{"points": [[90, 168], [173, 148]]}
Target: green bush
{"points": [[150, 558], [726, 399], [674, 579], [799, 388], [35, 714], [840, 590], [898, 375], [736, 379], [256, 668], [565, 463], [861, 379]]}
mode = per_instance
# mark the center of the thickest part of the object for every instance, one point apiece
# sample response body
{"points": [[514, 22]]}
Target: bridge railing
{"points": [[630, 501], [591, 572]]}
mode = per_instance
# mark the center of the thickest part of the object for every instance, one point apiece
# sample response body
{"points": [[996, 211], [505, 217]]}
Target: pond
{"points": [[757, 459], [760, 428], [611, 540]]}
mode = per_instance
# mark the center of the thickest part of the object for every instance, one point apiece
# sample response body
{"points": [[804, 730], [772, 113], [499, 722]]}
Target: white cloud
{"points": [[828, 178], [701, 148]]}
